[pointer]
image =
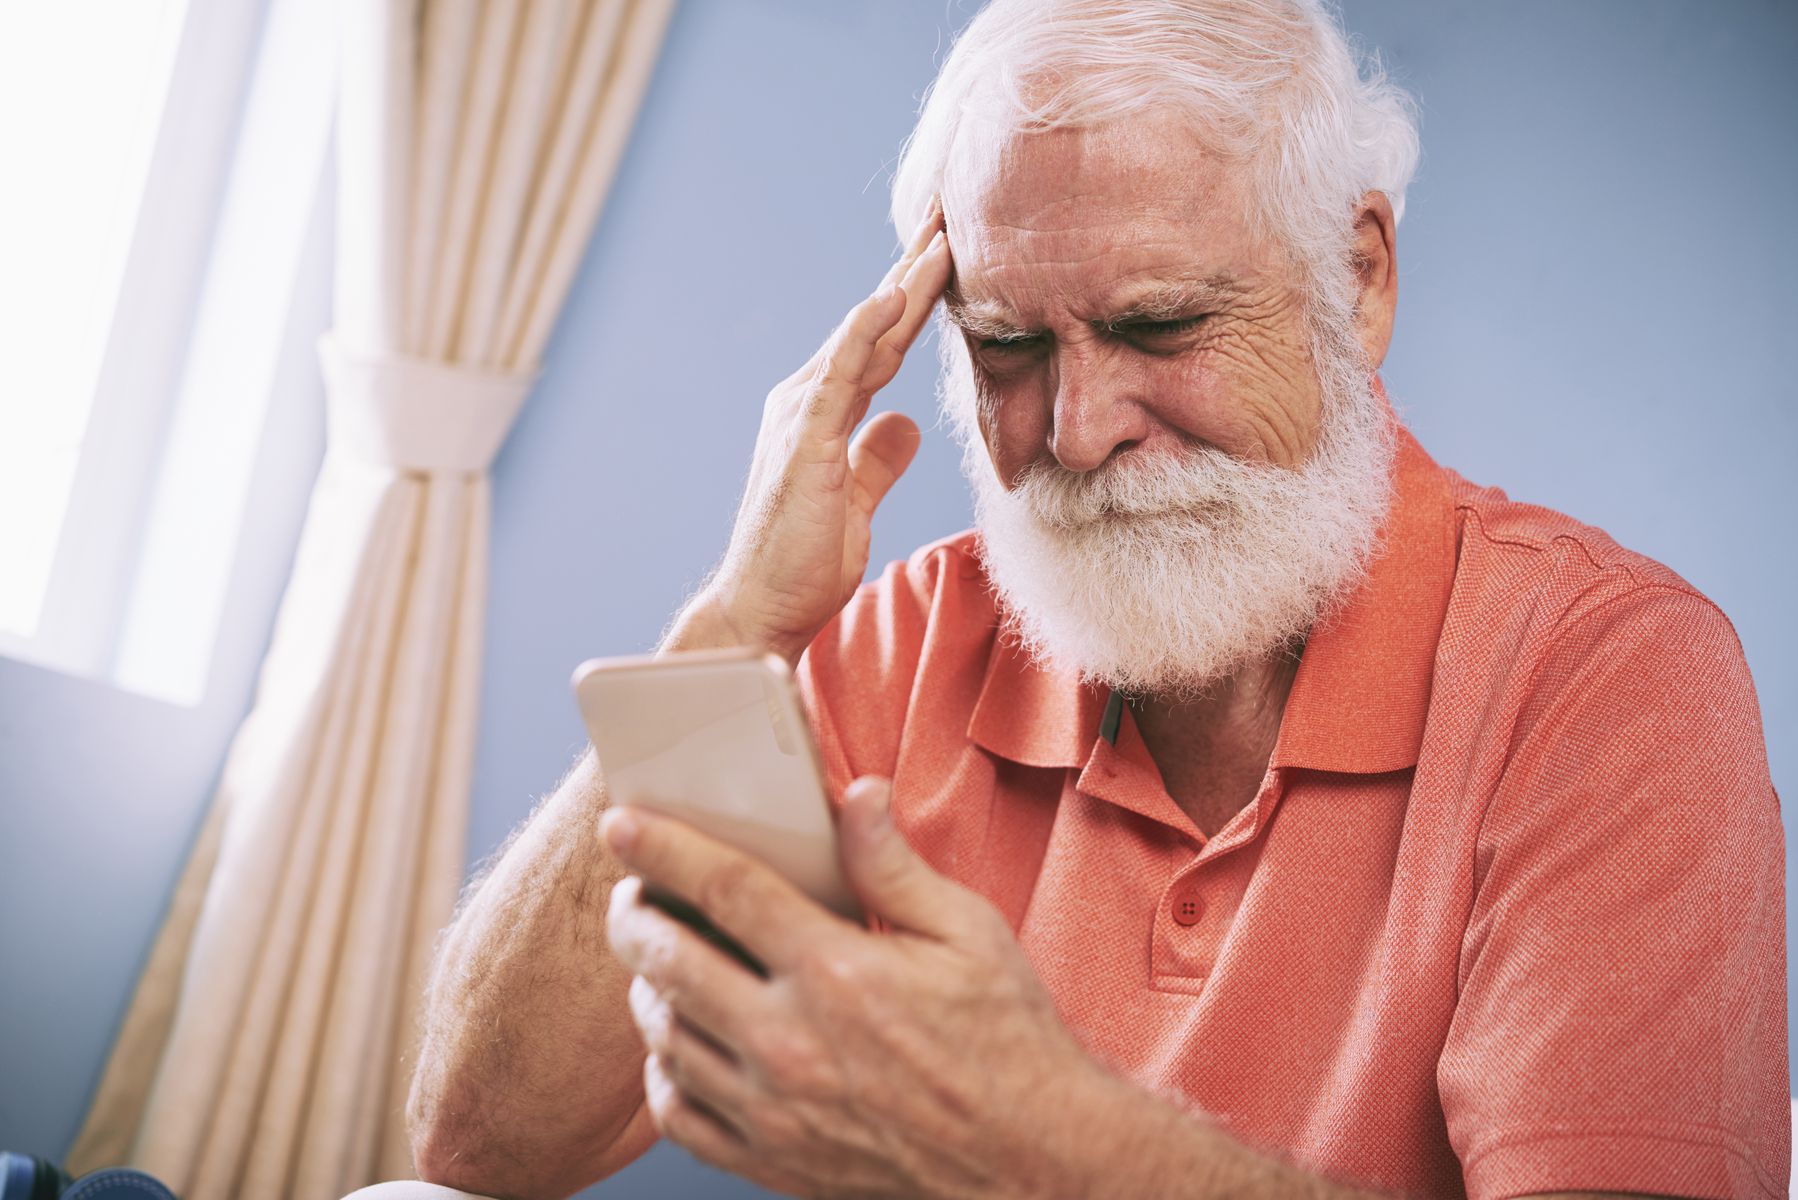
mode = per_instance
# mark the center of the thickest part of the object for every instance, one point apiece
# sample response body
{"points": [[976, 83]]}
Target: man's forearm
{"points": [[1136, 1143], [529, 1079], [530, 1068]]}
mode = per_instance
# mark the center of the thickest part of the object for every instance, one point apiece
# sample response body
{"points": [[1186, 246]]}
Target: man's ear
{"points": [[1376, 273]]}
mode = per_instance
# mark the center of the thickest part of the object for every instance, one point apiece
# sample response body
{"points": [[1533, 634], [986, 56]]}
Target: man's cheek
{"points": [[1014, 423], [1258, 390]]}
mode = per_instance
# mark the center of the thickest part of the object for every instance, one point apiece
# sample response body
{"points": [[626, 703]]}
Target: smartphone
{"points": [[720, 740]]}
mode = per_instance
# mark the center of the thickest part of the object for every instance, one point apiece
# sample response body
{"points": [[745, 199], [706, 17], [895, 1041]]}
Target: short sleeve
{"points": [[1621, 1017]]}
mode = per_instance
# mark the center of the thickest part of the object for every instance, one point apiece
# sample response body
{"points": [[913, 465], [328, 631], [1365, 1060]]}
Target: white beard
{"points": [[1165, 576]]}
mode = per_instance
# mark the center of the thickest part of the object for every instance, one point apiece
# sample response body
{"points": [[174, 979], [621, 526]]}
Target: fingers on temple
{"points": [[923, 284], [868, 365], [920, 241], [863, 353], [837, 391]]}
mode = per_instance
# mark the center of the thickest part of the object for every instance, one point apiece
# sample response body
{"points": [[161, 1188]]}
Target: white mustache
{"points": [[1199, 483]]}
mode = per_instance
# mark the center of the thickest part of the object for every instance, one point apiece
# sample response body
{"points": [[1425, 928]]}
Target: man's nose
{"points": [[1096, 410]]}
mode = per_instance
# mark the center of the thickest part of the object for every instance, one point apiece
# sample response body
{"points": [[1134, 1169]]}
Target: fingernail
{"points": [[620, 828], [886, 293], [938, 242]]}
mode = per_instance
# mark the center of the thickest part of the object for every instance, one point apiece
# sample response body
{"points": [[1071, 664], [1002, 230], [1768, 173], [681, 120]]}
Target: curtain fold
{"points": [[268, 1048]]}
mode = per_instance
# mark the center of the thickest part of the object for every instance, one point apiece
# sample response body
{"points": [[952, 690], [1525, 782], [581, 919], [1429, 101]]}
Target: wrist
{"points": [[703, 624], [1133, 1141], [708, 622], [1108, 1149]]}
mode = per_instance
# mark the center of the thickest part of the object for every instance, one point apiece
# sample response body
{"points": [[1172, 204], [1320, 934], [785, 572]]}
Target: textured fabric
{"points": [[1506, 915]]}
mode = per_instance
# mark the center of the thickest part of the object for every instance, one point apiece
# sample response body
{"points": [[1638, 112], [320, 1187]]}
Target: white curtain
{"points": [[267, 1050]]}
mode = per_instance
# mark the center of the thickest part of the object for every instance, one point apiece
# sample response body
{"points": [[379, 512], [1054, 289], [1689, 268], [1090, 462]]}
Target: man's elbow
{"points": [[438, 1159], [444, 1149], [452, 1146], [456, 1144]]}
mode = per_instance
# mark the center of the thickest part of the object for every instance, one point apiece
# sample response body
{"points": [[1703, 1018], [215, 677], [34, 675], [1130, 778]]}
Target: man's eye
{"points": [[1011, 344], [1158, 328]]}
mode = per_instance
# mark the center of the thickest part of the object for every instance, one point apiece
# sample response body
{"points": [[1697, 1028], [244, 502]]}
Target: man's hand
{"points": [[800, 543], [925, 1061]]}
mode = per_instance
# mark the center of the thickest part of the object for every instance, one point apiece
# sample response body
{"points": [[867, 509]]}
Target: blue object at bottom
{"points": [[118, 1183]]}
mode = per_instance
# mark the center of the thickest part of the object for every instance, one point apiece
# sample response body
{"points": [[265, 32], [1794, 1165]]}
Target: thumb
{"points": [[879, 455], [888, 875]]}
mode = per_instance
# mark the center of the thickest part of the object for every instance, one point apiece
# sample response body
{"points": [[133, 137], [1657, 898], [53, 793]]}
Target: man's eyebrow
{"points": [[984, 319], [1176, 298], [1161, 301]]}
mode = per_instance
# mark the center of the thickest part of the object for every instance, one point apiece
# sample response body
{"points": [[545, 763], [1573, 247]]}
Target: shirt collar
{"points": [[1362, 691], [1033, 714]]}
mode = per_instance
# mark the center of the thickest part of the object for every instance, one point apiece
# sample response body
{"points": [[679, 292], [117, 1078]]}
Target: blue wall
{"points": [[1596, 290]]}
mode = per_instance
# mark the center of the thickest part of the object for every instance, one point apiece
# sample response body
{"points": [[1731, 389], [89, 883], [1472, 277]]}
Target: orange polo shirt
{"points": [[1506, 915]]}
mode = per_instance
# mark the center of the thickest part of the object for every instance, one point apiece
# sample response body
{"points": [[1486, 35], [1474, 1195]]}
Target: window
{"points": [[170, 158], [79, 83]]}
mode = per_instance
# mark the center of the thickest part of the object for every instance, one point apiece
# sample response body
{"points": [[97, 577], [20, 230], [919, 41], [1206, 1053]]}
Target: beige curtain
{"points": [[267, 1050]]}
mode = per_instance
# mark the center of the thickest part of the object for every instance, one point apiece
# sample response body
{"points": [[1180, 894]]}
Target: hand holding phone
{"points": [[718, 739]]}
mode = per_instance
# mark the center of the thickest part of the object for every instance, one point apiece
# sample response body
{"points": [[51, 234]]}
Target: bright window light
{"points": [[164, 265], [82, 84]]}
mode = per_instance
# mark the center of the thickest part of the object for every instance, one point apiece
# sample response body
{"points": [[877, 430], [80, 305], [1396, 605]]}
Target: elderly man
{"points": [[1271, 811]]}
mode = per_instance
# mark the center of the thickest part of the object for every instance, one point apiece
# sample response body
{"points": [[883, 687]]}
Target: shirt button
{"points": [[1188, 908]]}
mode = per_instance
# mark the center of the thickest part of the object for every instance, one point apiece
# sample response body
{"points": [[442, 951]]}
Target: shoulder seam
{"points": [[1542, 546]]}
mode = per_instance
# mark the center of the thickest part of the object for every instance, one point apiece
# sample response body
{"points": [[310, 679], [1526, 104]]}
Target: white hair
{"points": [[1274, 84]]}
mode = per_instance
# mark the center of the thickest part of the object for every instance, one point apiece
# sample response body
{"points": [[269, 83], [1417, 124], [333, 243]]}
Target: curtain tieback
{"points": [[410, 414]]}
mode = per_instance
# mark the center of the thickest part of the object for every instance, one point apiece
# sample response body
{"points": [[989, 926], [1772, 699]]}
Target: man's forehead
{"points": [[1113, 213], [1040, 178]]}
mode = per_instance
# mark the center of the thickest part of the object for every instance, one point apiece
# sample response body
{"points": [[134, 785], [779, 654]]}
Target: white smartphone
{"points": [[719, 739]]}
